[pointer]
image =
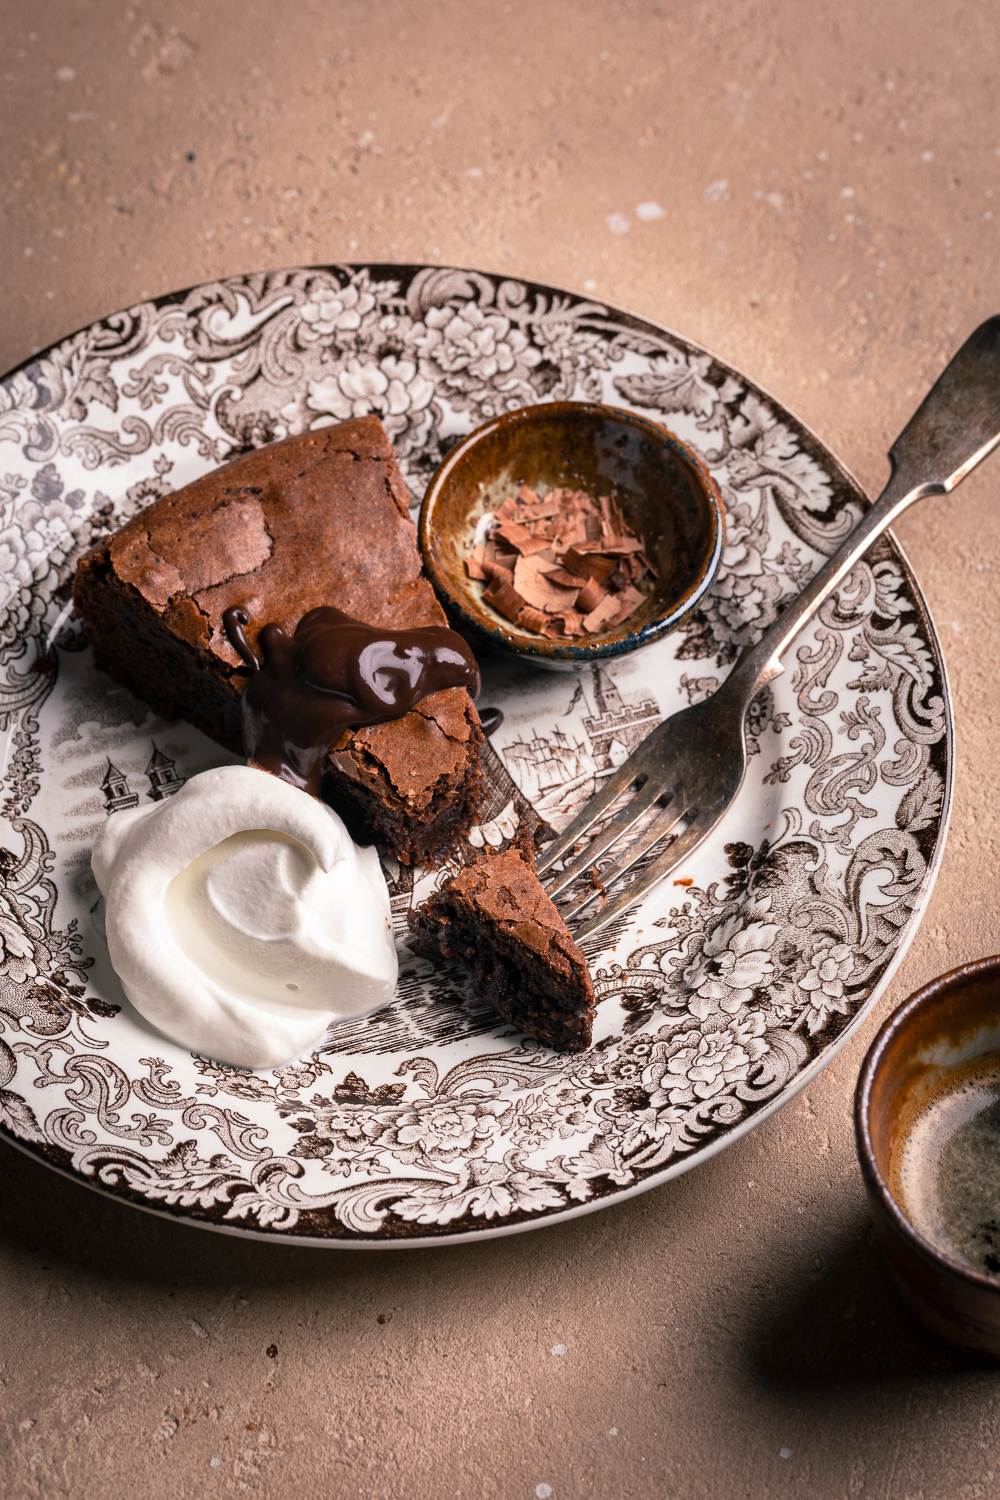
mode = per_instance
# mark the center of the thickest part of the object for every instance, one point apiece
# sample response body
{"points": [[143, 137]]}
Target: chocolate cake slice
{"points": [[495, 918], [320, 519]]}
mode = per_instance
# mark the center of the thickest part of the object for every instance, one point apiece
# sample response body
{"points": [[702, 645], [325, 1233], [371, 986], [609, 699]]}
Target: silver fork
{"points": [[685, 775]]}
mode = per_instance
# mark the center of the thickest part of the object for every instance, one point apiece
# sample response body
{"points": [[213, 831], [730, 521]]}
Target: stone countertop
{"points": [[811, 191]]}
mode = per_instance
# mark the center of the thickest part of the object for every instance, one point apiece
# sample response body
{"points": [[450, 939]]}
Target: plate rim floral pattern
{"points": [[791, 1085]]}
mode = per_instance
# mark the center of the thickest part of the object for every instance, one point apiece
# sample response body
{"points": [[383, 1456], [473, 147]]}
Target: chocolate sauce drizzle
{"points": [[335, 673]]}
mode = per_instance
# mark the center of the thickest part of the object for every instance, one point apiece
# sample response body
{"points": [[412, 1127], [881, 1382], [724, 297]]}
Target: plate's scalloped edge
{"points": [[522, 1221]]}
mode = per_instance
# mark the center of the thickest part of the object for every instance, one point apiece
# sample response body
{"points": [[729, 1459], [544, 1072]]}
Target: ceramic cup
{"points": [[948, 1024], [661, 483]]}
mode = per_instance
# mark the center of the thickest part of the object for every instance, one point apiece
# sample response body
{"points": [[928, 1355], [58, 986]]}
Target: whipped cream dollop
{"points": [[241, 917]]}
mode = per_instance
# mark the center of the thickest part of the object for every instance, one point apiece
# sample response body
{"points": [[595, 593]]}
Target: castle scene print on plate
{"points": [[431, 1119]]}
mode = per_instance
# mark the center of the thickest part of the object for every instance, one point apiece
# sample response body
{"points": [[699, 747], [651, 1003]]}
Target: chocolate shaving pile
{"points": [[561, 565]]}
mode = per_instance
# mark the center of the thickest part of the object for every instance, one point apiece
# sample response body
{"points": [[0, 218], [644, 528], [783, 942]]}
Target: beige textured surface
{"points": [[829, 176]]}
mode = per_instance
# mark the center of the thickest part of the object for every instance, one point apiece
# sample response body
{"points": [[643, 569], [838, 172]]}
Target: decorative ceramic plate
{"points": [[719, 996]]}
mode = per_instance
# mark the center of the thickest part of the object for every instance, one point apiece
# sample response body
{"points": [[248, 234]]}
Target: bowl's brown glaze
{"points": [[662, 485], [951, 1021]]}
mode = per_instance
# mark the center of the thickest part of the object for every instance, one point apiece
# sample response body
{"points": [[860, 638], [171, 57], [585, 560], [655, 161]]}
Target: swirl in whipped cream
{"points": [[242, 919]]}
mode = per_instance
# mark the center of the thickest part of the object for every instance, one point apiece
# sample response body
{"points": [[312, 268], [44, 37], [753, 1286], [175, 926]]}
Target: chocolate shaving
{"points": [[588, 565], [501, 597], [601, 616], [560, 576], [497, 573], [564, 564], [535, 586], [590, 595], [628, 602], [538, 621], [520, 538], [475, 566]]}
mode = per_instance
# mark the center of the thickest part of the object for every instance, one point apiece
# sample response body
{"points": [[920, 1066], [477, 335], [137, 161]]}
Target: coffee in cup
{"points": [[945, 1165]]}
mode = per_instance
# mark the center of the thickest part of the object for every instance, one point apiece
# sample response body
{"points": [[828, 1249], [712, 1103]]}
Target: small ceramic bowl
{"points": [[951, 1021], [661, 484]]}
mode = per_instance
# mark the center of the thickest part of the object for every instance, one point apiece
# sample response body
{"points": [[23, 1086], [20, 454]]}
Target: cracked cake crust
{"points": [[322, 518]]}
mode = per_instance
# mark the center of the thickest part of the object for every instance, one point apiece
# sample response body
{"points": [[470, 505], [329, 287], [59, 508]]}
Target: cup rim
{"points": [[876, 1182], [621, 640]]}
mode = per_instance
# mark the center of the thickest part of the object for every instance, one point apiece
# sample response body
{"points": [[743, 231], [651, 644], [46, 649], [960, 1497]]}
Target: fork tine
{"points": [[658, 830], [668, 861], [615, 829], [617, 784]]}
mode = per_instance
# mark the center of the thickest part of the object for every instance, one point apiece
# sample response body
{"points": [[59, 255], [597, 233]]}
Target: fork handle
{"points": [[955, 427]]}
